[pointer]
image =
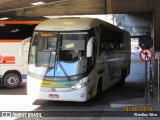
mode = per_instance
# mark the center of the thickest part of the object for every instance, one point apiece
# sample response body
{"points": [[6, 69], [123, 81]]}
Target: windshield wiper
{"points": [[49, 58], [56, 60], [62, 68]]}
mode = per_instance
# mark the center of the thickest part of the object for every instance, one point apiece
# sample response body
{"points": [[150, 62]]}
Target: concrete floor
{"points": [[17, 99]]}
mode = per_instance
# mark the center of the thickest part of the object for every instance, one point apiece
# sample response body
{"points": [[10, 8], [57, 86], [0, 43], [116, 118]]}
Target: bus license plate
{"points": [[53, 96]]}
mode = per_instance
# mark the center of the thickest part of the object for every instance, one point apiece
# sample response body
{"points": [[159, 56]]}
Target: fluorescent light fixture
{"points": [[37, 3], [5, 18]]}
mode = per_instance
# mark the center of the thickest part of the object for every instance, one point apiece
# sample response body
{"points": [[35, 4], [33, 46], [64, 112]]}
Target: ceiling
{"points": [[23, 9], [7, 7]]}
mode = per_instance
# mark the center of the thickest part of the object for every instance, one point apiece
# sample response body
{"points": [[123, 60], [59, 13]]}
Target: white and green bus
{"points": [[75, 59]]}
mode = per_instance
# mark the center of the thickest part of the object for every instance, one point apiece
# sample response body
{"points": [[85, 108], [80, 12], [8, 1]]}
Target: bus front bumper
{"points": [[34, 89]]}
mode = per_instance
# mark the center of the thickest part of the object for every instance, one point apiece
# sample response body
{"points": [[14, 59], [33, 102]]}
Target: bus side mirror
{"points": [[22, 44], [90, 47]]}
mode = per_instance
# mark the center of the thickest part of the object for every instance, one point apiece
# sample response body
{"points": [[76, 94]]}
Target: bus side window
{"points": [[110, 39]]}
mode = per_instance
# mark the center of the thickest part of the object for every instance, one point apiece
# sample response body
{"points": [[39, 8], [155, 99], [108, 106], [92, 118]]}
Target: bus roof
{"points": [[72, 24]]}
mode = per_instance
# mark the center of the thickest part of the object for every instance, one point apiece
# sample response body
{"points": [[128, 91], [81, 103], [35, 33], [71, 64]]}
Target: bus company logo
{"points": [[7, 59]]}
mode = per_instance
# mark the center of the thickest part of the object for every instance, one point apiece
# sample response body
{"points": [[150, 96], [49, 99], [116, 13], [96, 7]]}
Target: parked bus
{"points": [[13, 61], [75, 59]]}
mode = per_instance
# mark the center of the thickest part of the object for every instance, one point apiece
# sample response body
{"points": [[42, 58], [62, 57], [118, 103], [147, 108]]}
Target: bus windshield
{"points": [[60, 54]]}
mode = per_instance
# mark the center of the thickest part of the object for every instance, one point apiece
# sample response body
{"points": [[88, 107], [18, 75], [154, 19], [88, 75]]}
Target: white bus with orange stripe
{"points": [[14, 51]]}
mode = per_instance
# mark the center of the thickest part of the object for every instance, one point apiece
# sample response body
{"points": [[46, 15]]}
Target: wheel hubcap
{"points": [[12, 80]]}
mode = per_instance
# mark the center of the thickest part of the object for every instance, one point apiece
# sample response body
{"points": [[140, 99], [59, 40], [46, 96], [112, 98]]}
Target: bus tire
{"points": [[99, 89], [12, 80], [121, 83]]}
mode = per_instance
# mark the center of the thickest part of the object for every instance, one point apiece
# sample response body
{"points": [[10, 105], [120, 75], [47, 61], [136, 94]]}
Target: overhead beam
{"points": [[128, 6], [84, 7], [68, 7]]}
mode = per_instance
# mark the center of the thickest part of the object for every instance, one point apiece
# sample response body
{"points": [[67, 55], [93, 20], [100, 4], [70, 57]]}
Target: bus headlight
{"points": [[79, 85]]}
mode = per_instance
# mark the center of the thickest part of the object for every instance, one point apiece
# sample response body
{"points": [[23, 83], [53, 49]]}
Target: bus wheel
{"points": [[99, 89], [12, 80], [122, 80]]}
